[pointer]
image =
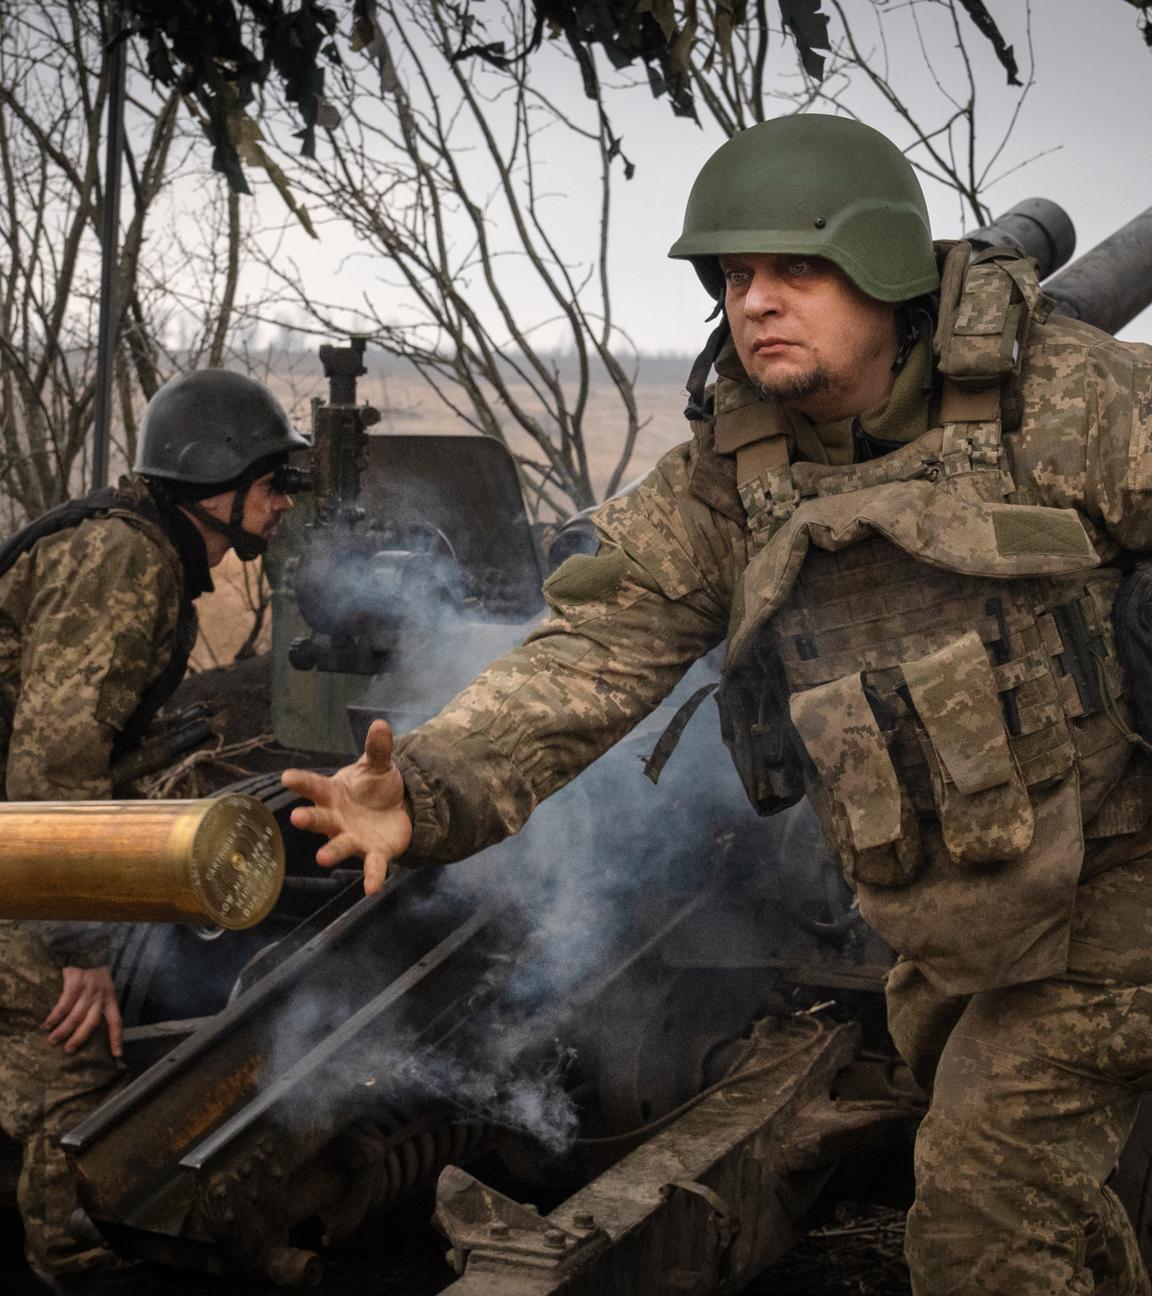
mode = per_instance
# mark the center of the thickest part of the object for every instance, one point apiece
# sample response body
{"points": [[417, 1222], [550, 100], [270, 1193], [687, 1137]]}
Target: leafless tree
{"points": [[53, 94], [179, 248], [444, 174], [178, 264], [441, 172], [943, 121]]}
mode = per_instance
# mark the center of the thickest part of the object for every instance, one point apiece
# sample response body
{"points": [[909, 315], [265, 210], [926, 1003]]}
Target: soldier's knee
{"points": [[954, 1250]]}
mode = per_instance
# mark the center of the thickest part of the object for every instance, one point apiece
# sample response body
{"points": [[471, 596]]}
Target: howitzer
{"points": [[719, 1092], [217, 861], [408, 547]]}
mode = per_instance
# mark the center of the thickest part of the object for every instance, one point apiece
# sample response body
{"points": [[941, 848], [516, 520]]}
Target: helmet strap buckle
{"points": [[247, 545]]}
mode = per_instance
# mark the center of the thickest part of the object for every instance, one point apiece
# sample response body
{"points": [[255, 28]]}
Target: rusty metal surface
{"points": [[139, 1157], [700, 1207]]}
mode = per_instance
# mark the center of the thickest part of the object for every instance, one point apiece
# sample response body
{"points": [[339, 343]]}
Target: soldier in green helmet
{"points": [[904, 507], [97, 620]]}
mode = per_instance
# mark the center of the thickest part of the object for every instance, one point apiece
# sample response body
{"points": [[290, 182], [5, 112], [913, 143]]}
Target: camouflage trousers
{"points": [[44, 1092], [1034, 1091]]}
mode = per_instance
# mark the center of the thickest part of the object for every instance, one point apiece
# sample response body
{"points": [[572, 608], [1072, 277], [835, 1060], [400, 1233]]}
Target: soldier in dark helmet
{"points": [[905, 506], [97, 620]]}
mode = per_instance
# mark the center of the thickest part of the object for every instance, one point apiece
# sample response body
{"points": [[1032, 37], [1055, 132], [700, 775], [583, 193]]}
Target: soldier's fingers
{"points": [[80, 1035], [317, 819], [375, 871], [115, 1026], [63, 1005], [378, 746], [343, 846], [75, 1018], [316, 787]]}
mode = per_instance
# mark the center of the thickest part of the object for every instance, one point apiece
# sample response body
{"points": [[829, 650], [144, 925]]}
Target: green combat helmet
{"points": [[212, 431], [818, 186]]}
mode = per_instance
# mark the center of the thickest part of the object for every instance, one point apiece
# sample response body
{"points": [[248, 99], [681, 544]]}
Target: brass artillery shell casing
{"points": [[219, 860]]}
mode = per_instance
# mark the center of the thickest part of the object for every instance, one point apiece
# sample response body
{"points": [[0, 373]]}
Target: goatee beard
{"points": [[796, 388]]}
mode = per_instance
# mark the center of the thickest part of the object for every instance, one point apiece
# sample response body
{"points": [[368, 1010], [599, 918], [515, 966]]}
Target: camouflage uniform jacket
{"points": [[680, 569], [88, 621]]}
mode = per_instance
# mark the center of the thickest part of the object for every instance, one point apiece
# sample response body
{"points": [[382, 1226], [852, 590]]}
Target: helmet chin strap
{"points": [[246, 544], [702, 366]]}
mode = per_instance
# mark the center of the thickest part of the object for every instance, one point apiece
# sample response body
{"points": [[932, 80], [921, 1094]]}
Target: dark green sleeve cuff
{"points": [[78, 944]]}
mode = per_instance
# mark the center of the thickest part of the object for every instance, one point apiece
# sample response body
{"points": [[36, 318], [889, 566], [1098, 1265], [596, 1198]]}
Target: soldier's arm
{"points": [[95, 636], [623, 628], [1119, 477], [97, 633], [1086, 441]]}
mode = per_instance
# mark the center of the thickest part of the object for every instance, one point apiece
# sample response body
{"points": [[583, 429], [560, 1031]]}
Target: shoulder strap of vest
{"points": [[105, 502], [69, 514], [183, 640], [986, 305]]}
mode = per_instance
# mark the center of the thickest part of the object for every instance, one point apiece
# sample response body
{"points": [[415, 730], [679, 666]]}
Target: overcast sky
{"points": [[1083, 138], [1086, 124]]}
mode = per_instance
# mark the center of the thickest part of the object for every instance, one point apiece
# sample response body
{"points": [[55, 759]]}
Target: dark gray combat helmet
{"points": [[208, 427], [813, 185], [211, 431]]}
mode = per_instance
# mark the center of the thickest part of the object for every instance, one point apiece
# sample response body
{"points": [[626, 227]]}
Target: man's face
{"points": [[262, 509], [807, 335]]}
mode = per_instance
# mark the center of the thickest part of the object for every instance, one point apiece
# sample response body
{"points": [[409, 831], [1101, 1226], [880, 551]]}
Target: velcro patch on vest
{"points": [[585, 578], [1023, 529]]}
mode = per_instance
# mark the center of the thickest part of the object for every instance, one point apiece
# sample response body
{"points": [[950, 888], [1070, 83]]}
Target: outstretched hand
{"points": [[360, 809]]}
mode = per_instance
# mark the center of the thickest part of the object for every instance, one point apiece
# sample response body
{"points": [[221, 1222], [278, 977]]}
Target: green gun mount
{"points": [[410, 566]]}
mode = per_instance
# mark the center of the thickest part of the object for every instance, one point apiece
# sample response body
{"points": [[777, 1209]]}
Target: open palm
{"points": [[360, 809]]}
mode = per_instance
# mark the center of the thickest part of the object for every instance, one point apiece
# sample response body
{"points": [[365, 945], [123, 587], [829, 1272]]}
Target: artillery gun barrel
{"points": [[1038, 227], [1111, 284], [219, 860]]}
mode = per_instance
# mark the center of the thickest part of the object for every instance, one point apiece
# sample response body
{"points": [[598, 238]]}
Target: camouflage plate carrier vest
{"points": [[931, 659]]}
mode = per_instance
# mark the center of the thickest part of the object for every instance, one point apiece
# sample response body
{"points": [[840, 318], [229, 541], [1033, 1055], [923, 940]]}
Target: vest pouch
{"points": [[862, 804], [755, 731], [985, 812]]}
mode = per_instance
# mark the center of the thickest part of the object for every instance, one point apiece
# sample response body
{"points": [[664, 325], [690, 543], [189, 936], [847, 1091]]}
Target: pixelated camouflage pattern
{"points": [[610, 651], [44, 1092], [597, 666], [1085, 434], [88, 619], [938, 526], [840, 732], [983, 804], [1034, 1090], [1035, 1083]]}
